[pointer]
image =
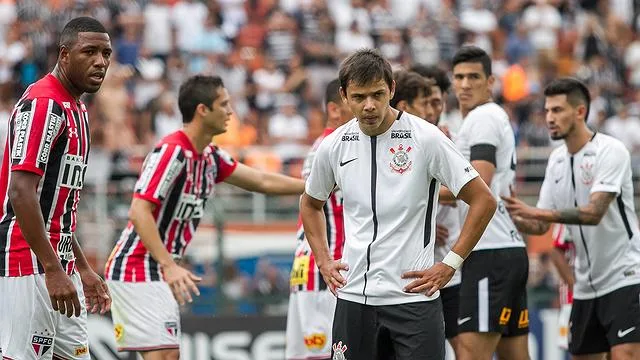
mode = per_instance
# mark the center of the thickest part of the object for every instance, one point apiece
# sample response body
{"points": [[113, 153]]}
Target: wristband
{"points": [[454, 260]]}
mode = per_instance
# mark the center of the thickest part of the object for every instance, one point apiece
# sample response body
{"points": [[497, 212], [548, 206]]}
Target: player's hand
{"points": [[518, 209], [331, 273], [442, 234], [62, 293], [182, 282], [430, 280], [96, 292]]}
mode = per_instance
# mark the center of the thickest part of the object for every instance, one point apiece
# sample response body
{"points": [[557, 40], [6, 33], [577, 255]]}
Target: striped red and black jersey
{"points": [[562, 242], [179, 181], [49, 136], [305, 275]]}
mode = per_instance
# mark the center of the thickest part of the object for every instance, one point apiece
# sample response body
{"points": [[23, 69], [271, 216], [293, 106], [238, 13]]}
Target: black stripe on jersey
{"points": [[178, 242], [154, 274], [429, 219], [374, 173], [117, 266], [50, 181], [172, 203], [623, 213], [486, 152]]}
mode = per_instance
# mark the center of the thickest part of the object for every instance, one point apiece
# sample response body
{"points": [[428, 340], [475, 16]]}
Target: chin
{"points": [[92, 89]]}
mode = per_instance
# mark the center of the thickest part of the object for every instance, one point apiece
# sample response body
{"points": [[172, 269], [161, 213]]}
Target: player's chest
{"points": [[200, 174], [572, 178]]}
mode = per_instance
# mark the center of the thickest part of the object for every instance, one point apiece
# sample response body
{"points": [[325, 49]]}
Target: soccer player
{"points": [[588, 186], [311, 304], [563, 257], [411, 93], [178, 176], [493, 311], [43, 308], [389, 165]]}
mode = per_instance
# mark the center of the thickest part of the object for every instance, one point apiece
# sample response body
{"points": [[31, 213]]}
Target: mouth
{"points": [[97, 77]]}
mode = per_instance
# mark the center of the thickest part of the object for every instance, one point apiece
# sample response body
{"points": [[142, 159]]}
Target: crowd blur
{"points": [[276, 56]]}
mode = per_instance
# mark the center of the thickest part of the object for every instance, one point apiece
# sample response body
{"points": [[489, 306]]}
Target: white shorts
{"points": [[29, 327], [145, 315], [309, 325]]}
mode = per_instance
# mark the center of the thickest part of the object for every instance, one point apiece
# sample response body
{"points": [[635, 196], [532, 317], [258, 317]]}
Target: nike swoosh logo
{"points": [[558, 180], [462, 321], [624, 333], [343, 163]]}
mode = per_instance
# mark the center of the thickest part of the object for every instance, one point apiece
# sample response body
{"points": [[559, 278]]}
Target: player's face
{"points": [[561, 116], [219, 114], [368, 102], [471, 84], [434, 105], [88, 60]]}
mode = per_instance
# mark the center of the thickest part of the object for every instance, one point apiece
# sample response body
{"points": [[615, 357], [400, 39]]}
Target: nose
{"points": [[369, 104], [465, 83], [101, 61]]}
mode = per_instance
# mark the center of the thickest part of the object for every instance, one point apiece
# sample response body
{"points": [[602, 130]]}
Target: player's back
{"points": [[486, 134], [48, 136]]}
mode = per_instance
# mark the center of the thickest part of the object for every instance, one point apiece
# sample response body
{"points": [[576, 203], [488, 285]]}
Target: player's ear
{"points": [[490, 81], [392, 89], [63, 54], [202, 109], [401, 105], [343, 94]]}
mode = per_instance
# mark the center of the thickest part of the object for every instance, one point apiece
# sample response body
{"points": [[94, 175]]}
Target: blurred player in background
{"points": [[44, 276], [411, 93], [563, 256], [311, 304], [588, 185], [177, 178]]}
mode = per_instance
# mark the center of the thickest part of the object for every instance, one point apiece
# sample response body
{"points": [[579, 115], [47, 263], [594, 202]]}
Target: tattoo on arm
{"points": [[591, 214], [569, 216], [530, 226]]}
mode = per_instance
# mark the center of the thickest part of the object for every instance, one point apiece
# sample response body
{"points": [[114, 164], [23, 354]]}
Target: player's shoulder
{"points": [[606, 143], [488, 112], [175, 141], [409, 125], [558, 154], [50, 88], [348, 132]]}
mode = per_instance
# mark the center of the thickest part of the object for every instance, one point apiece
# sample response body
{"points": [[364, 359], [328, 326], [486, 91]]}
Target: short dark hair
{"points": [[332, 92], [69, 34], [433, 72], [363, 67], [196, 90], [473, 54], [576, 91], [408, 86]]}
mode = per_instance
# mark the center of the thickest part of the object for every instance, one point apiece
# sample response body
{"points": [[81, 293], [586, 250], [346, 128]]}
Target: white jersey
{"points": [[485, 126], [390, 188], [449, 217], [607, 254]]}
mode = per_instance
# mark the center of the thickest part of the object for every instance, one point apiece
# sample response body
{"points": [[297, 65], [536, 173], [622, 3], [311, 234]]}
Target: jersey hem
{"points": [[591, 296], [29, 168], [605, 188], [148, 348], [148, 198], [489, 247], [383, 301]]}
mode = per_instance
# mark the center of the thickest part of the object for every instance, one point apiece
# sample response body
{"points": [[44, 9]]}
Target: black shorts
{"points": [[493, 293], [450, 302], [413, 331], [598, 324]]}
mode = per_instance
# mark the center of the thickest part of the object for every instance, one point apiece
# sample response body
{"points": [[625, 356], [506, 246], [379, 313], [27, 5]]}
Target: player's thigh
{"points": [[587, 336], [620, 313], [513, 348], [416, 330], [514, 286], [166, 354], [28, 320], [145, 316], [72, 335], [599, 356], [309, 324], [476, 346], [355, 331], [627, 351]]}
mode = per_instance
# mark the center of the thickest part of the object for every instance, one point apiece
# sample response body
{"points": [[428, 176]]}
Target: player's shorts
{"points": [[609, 320], [309, 323], [413, 331], [29, 327], [450, 297], [493, 293], [146, 316]]}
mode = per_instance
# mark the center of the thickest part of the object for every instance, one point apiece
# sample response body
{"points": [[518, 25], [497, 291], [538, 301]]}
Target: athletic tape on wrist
{"points": [[454, 260]]}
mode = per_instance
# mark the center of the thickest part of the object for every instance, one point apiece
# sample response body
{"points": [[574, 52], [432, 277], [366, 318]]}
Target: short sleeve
{"points": [[612, 163], [448, 165], [321, 180], [160, 170], [225, 164], [36, 127], [483, 131], [545, 198]]}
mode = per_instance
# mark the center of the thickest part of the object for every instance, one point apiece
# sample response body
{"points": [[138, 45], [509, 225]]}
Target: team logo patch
{"points": [[338, 351], [172, 328], [586, 170], [52, 127], [41, 342], [400, 162], [20, 135], [81, 350], [118, 330], [315, 341], [64, 248]]}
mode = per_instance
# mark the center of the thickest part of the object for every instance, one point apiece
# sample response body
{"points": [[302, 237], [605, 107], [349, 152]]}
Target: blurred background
{"points": [[275, 57]]}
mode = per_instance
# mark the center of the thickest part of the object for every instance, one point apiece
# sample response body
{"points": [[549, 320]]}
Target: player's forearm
{"points": [[576, 216], [145, 226], [278, 184], [557, 257], [531, 226], [29, 216], [314, 223], [481, 210], [81, 261]]}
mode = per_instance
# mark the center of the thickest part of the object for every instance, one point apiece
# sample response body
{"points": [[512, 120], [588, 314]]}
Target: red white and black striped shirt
{"points": [[179, 181], [305, 275], [562, 242], [48, 136]]}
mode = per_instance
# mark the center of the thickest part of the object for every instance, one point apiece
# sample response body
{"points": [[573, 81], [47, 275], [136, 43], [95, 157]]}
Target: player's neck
{"points": [[578, 138], [199, 138], [59, 74]]}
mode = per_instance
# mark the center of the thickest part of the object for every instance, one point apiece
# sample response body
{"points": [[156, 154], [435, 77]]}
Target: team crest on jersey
{"points": [[41, 342], [400, 162], [586, 170], [338, 351], [172, 328]]}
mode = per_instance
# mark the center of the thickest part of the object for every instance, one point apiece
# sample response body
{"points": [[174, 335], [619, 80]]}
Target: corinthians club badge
{"points": [[400, 162]]}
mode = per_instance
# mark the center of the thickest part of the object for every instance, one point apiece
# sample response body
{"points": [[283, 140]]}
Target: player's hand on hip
{"points": [[96, 292], [182, 282], [430, 280], [442, 234], [62, 293], [331, 273]]}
